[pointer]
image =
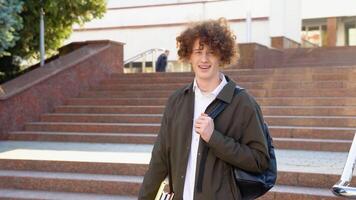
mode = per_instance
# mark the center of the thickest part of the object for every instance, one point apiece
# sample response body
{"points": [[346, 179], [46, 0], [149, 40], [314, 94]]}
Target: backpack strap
{"points": [[170, 182], [213, 114]]}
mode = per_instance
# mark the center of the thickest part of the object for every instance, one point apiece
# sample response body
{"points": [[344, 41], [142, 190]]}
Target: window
{"points": [[312, 34], [350, 33]]}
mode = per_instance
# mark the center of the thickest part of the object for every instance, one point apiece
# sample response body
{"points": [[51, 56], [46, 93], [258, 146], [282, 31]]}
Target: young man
{"points": [[234, 138]]}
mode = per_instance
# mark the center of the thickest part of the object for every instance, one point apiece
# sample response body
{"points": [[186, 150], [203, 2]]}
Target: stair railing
{"points": [[308, 44], [144, 57], [342, 188]]}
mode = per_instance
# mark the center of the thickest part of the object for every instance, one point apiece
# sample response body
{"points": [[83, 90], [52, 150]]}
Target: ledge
{"points": [[25, 98]]}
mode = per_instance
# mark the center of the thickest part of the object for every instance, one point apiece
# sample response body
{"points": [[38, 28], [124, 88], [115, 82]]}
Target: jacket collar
{"points": [[226, 94]]}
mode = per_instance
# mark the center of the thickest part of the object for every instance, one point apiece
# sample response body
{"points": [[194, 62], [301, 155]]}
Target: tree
{"points": [[10, 24], [60, 16]]}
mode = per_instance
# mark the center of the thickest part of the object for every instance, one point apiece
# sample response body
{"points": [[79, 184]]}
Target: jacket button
{"points": [[182, 176]]}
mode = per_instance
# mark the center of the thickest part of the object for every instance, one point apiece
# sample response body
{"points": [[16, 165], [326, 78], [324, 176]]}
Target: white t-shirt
{"points": [[201, 102]]}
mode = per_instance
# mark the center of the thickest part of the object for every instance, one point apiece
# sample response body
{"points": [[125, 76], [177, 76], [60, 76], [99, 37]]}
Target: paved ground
{"points": [[32, 194], [288, 160]]}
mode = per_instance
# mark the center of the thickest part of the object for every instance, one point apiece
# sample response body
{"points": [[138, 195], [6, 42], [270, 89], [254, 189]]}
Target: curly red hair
{"points": [[214, 33]]}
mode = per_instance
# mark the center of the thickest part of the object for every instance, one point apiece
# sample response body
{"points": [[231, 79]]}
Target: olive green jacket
{"points": [[237, 140]]}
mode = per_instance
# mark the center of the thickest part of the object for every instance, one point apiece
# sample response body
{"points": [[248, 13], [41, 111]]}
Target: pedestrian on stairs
{"points": [[161, 62], [234, 138]]}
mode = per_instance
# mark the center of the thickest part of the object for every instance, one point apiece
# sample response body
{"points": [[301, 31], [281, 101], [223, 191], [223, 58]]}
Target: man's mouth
{"points": [[204, 66]]}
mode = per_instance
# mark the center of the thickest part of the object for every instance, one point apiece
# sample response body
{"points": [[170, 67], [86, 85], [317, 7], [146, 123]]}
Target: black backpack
{"points": [[251, 185]]}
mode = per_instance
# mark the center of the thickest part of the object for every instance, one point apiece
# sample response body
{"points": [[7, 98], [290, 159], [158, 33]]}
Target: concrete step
{"points": [[282, 192], [118, 101], [154, 127], [309, 110], [261, 71], [286, 137], [93, 167], [249, 85], [125, 138], [306, 101], [300, 143], [299, 132], [325, 133], [71, 182], [349, 92], [93, 127], [240, 78], [81, 125], [316, 62], [343, 92], [104, 118], [319, 121], [123, 186], [127, 94], [307, 172], [16, 194], [284, 177], [312, 144], [270, 72], [267, 110], [116, 159], [288, 160], [110, 109], [291, 131], [263, 101]]}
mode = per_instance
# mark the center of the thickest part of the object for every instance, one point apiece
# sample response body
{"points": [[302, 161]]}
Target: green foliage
{"points": [[10, 24], [60, 16]]}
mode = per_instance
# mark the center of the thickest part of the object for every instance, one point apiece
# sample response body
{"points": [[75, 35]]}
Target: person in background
{"points": [[234, 139], [161, 62]]}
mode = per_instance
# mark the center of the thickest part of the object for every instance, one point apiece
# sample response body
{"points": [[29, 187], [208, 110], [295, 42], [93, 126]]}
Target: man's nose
{"points": [[204, 57]]}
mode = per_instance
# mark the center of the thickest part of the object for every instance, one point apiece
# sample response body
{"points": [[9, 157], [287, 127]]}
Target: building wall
{"points": [[340, 33], [146, 24], [142, 39], [327, 8], [285, 19]]}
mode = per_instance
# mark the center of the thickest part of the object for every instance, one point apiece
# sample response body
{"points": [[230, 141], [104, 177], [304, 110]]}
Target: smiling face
{"points": [[205, 62]]}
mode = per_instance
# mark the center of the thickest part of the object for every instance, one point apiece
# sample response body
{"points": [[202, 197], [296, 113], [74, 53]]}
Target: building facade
{"points": [[144, 25], [329, 22]]}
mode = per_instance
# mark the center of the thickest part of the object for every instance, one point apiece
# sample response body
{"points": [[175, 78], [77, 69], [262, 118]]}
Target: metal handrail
{"points": [[342, 188], [141, 55], [307, 43]]}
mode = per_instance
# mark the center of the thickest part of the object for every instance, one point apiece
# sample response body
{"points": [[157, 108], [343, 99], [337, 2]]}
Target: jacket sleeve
{"points": [[157, 169], [250, 152]]}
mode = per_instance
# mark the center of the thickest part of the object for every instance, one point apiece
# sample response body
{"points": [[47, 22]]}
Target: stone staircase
{"points": [[98, 144], [320, 56]]}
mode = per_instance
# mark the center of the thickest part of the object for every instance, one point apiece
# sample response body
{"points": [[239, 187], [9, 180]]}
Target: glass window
{"points": [[350, 33]]}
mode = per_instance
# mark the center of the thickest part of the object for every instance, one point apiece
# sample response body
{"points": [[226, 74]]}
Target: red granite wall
{"points": [[253, 55], [283, 43], [248, 54], [26, 97], [331, 31]]}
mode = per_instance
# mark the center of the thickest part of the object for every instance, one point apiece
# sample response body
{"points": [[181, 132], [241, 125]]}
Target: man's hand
{"points": [[204, 126]]}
